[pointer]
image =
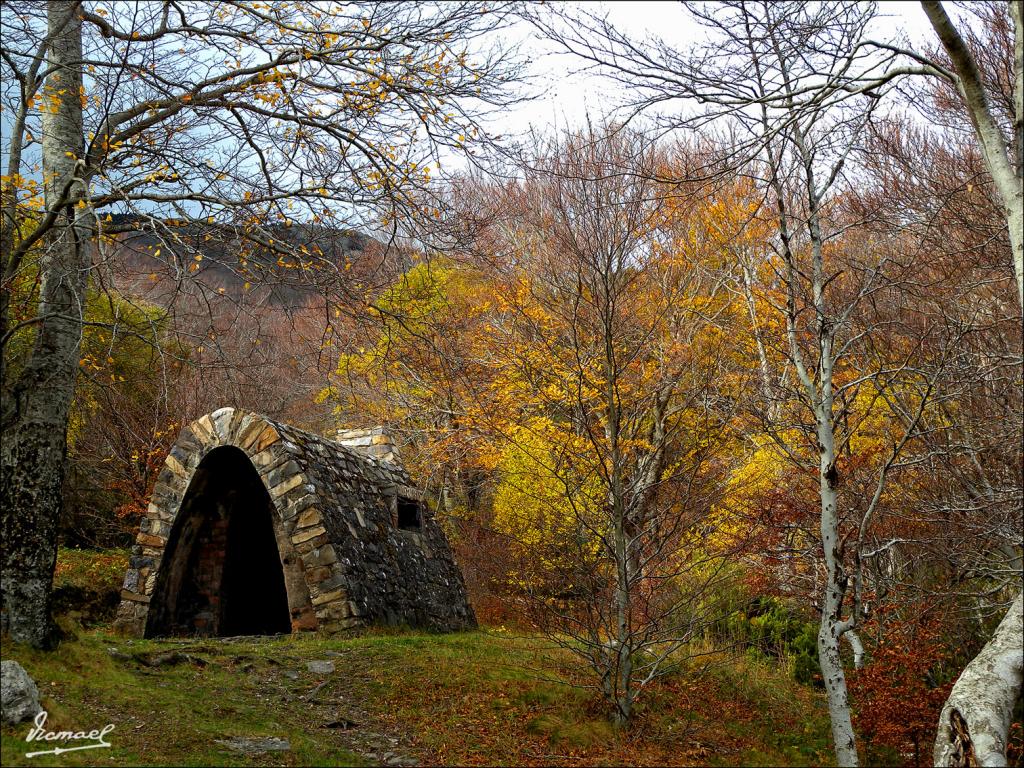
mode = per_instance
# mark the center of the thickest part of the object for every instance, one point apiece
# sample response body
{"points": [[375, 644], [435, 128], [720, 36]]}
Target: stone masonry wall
{"points": [[212, 545], [335, 520], [370, 441]]}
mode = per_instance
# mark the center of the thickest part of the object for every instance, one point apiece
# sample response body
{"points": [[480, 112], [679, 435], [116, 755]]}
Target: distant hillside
{"points": [[158, 264]]}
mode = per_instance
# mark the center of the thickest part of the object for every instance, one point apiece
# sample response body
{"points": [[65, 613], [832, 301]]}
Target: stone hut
{"points": [[256, 527]]}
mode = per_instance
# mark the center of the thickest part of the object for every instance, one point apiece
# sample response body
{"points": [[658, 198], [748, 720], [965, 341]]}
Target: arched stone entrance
{"points": [[216, 551], [222, 572], [256, 527]]}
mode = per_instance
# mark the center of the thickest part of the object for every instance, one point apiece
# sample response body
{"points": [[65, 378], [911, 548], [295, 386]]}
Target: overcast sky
{"points": [[567, 98]]}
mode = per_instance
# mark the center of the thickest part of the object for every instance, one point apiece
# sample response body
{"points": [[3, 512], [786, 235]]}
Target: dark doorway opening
{"points": [[221, 572], [410, 516], [253, 597]]}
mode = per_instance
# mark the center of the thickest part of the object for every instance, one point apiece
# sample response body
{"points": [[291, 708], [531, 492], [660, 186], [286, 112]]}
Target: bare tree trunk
{"points": [[1005, 169], [622, 661], [975, 722], [1015, 212], [821, 396], [621, 655], [35, 413], [764, 369], [830, 631]]}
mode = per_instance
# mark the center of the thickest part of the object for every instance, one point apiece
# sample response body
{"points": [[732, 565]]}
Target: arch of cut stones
{"points": [[334, 512]]}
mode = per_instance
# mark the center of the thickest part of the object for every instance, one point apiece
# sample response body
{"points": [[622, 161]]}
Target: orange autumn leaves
{"points": [[501, 358]]}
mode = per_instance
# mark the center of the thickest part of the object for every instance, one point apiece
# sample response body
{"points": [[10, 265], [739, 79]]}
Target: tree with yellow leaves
{"points": [[799, 87], [408, 365], [606, 373], [192, 119], [579, 337]]}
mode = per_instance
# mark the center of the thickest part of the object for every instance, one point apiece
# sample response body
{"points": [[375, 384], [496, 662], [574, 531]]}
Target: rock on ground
{"points": [[18, 694], [320, 667], [256, 746]]}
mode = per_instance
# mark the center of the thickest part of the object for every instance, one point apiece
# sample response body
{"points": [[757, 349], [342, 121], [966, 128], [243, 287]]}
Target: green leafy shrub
{"points": [[766, 626]]}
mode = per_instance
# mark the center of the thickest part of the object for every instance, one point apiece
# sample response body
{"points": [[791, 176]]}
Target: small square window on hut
{"points": [[409, 514]]}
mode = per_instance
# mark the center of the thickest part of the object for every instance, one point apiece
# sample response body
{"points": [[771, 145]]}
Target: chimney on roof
{"points": [[370, 441]]}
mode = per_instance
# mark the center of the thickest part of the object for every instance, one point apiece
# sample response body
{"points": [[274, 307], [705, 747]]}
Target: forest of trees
{"points": [[738, 361]]}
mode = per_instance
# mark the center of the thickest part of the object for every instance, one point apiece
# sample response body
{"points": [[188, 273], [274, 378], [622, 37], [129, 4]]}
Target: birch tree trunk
{"points": [[1004, 159], [821, 396], [831, 629], [975, 722], [35, 413]]}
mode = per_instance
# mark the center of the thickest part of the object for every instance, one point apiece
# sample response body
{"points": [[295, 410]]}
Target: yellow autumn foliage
{"points": [[546, 503]]}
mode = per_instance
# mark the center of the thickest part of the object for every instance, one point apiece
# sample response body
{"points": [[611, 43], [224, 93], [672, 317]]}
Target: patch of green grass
{"points": [[96, 570], [170, 715], [799, 731], [470, 698], [541, 696], [586, 733]]}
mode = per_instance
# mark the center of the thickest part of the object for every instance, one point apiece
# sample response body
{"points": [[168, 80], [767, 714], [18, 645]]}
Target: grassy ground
{"points": [[87, 584], [473, 698]]}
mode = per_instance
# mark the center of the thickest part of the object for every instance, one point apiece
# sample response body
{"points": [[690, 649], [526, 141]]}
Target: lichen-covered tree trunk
{"points": [[35, 409], [975, 722], [830, 630]]}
